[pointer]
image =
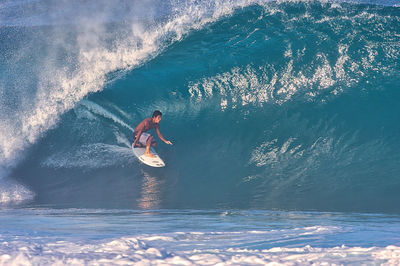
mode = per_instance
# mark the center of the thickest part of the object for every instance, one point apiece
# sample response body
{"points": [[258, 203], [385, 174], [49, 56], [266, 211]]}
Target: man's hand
{"points": [[168, 142], [138, 145]]}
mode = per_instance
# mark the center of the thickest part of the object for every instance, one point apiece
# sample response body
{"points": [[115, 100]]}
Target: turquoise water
{"points": [[279, 107]]}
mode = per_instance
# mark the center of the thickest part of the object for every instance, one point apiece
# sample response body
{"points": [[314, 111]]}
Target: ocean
{"points": [[283, 115]]}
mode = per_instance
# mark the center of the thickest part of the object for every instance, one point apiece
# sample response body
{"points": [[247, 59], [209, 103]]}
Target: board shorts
{"points": [[143, 138]]}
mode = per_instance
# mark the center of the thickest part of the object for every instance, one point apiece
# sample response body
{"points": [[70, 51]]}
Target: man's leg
{"points": [[148, 144], [139, 144]]}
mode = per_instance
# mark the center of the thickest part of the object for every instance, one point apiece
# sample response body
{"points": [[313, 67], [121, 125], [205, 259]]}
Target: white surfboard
{"points": [[151, 161]]}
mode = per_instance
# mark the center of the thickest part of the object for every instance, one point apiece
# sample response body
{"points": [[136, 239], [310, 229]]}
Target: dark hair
{"points": [[157, 113]]}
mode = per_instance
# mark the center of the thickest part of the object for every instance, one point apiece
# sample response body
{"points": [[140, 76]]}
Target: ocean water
{"points": [[283, 114]]}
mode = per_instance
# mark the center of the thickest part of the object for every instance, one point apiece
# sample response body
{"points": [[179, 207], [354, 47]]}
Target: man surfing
{"points": [[142, 138]]}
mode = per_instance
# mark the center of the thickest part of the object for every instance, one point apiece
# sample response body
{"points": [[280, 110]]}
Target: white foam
{"points": [[247, 85], [122, 139], [13, 193], [139, 251]]}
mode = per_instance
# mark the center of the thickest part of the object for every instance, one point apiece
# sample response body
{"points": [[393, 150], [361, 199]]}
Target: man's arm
{"points": [[161, 136]]}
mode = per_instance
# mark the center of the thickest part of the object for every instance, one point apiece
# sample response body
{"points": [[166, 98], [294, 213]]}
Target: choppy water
{"points": [[81, 236]]}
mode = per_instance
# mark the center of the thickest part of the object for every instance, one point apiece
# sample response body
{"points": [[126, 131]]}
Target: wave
{"points": [[270, 104], [51, 68]]}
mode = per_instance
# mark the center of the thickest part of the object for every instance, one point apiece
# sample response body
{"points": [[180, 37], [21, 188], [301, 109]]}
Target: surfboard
{"points": [[150, 161]]}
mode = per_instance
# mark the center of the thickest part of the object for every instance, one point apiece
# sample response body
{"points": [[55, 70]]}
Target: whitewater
{"points": [[283, 114]]}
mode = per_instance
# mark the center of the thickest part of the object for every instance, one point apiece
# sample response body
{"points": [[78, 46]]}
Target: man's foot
{"points": [[149, 155]]}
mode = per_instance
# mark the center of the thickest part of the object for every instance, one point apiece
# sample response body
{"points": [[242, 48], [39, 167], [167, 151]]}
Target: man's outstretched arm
{"points": [[161, 136]]}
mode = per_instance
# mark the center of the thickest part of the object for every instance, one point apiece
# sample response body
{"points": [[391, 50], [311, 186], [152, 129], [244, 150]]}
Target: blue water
{"points": [[280, 107]]}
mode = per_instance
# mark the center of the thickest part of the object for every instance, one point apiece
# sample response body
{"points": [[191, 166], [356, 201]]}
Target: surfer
{"points": [[142, 138]]}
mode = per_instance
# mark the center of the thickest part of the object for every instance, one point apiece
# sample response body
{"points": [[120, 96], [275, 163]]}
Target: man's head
{"points": [[157, 116]]}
